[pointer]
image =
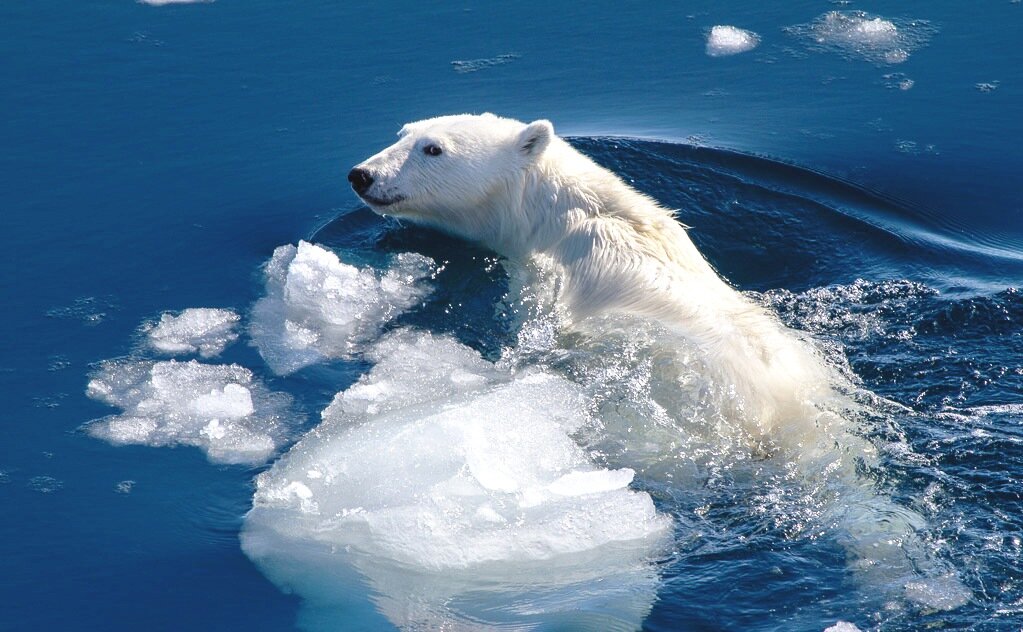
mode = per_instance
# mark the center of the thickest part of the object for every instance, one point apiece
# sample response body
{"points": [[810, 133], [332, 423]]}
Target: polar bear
{"points": [[526, 194]]}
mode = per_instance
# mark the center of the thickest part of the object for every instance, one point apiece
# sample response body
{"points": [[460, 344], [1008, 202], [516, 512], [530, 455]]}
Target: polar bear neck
{"points": [[564, 195]]}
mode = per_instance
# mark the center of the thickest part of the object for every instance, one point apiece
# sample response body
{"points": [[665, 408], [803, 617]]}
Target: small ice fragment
{"points": [[214, 430], [222, 409], [124, 487], [594, 482], [202, 330], [874, 30], [842, 626], [896, 56], [233, 401], [299, 490], [729, 40], [856, 34], [317, 307], [986, 86], [124, 430]]}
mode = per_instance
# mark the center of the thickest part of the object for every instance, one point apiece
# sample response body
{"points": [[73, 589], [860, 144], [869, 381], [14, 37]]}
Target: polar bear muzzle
{"points": [[360, 179]]}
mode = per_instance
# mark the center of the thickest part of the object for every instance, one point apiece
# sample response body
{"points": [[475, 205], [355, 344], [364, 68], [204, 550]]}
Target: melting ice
{"points": [[201, 330], [861, 35], [729, 40], [453, 488], [317, 307], [446, 491], [221, 409]]}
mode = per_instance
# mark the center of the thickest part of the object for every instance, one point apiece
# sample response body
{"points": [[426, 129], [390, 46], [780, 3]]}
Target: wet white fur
{"points": [[523, 192], [574, 226]]}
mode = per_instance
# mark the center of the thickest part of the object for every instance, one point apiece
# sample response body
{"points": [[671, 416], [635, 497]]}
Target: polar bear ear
{"points": [[534, 139]]}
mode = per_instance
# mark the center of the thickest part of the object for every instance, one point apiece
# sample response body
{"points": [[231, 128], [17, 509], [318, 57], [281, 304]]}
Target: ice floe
{"points": [[221, 409], [203, 330], [730, 40], [455, 488], [858, 34], [317, 307], [842, 626]]}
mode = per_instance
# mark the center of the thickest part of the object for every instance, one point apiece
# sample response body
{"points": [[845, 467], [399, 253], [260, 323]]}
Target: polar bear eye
{"points": [[432, 150]]}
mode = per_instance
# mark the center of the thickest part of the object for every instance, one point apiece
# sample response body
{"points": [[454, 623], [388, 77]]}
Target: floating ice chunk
{"points": [[581, 483], [842, 626], [861, 35], [896, 56], [201, 330], [317, 307], [435, 489], [729, 40], [219, 408], [875, 30]]}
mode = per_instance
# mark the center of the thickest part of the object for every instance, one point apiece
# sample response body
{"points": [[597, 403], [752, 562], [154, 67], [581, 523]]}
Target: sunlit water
{"points": [[379, 426]]}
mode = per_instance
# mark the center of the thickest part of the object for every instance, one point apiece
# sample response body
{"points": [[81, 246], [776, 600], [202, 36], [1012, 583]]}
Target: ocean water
{"points": [[202, 319]]}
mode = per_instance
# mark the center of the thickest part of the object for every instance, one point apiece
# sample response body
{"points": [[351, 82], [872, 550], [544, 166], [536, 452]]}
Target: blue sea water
{"points": [[153, 157]]}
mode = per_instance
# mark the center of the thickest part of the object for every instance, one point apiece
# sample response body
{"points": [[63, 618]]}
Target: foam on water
{"points": [[463, 66], [662, 408], [858, 34], [730, 40], [201, 330], [221, 409], [317, 307], [453, 484]]}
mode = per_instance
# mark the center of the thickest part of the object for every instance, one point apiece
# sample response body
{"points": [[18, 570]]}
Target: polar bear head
{"points": [[448, 172]]}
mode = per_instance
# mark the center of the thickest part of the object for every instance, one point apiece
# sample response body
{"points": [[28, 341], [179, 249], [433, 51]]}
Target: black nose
{"points": [[360, 179]]}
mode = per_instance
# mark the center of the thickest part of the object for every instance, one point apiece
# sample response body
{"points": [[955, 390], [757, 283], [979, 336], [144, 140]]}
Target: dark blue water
{"points": [[153, 158]]}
